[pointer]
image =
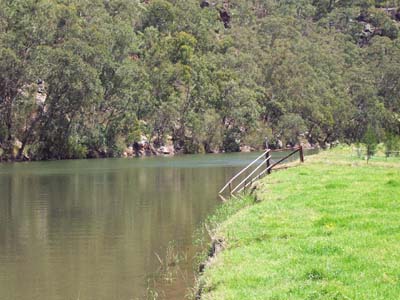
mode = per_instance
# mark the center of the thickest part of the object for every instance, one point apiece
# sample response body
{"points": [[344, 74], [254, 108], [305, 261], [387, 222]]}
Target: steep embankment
{"points": [[88, 79], [326, 230]]}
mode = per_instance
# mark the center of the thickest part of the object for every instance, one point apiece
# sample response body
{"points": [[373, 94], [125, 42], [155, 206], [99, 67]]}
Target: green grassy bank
{"points": [[329, 229]]}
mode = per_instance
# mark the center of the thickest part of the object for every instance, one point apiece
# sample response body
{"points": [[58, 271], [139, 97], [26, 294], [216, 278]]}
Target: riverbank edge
{"points": [[223, 216], [215, 243], [128, 154], [142, 149]]}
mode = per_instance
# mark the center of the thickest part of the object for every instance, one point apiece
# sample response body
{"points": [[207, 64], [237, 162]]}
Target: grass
{"points": [[329, 229]]}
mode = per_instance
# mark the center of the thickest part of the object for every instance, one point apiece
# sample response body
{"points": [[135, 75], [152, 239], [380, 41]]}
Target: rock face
{"points": [[40, 98], [41, 95], [246, 149], [147, 148], [144, 147], [129, 152], [279, 144], [166, 150]]}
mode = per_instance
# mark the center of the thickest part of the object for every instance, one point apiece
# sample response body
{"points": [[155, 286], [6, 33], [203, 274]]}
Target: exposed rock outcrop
{"points": [[166, 150], [246, 149], [144, 147]]}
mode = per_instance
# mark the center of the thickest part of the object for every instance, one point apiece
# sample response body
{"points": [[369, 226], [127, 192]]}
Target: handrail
{"points": [[251, 174], [285, 149], [269, 166], [243, 170], [286, 157], [257, 177]]}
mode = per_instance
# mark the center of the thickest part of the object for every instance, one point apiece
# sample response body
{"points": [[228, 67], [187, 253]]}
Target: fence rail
{"points": [[263, 165], [380, 153]]}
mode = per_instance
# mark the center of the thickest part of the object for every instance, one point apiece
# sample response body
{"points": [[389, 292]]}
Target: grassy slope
{"points": [[325, 230]]}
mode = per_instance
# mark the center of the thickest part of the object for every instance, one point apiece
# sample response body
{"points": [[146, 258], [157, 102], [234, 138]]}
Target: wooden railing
{"points": [[263, 164]]}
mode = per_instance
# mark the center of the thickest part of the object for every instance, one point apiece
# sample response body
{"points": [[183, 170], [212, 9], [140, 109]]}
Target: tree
{"points": [[392, 144], [73, 89], [370, 140], [88, 78], [159, 14]]}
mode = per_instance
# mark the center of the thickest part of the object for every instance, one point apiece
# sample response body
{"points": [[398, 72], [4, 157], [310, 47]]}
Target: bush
{"points": [[76, 149], [231, 141], [370, 140], [392, 143], [160, 15]]}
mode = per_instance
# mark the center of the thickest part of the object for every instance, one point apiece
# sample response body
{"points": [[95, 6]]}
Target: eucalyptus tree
{"points": [[25, 27], [85, 78]]}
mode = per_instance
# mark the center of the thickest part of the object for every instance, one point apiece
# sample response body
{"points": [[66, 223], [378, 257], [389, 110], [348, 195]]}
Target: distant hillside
{"points": [[105, 78]]}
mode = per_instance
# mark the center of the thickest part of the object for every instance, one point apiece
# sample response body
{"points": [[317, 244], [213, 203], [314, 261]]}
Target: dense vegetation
{"points": [[326, 230], [82, 78]]}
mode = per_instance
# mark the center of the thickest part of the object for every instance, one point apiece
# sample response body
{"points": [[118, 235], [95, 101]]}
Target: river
{"points": [[90, 229]]}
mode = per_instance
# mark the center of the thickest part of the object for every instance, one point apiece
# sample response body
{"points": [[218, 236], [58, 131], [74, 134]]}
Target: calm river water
{"points": [[89, 229]]}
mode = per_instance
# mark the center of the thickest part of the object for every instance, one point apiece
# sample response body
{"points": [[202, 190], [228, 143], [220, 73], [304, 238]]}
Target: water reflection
{"points": [[89, 229]]}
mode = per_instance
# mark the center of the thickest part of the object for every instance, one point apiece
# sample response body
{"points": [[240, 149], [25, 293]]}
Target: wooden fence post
{"points": [[301, 154], [267, 157]]}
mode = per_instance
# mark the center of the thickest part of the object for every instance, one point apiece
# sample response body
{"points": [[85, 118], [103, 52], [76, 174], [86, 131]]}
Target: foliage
{"points": [[392, 143], [370, 140], [88, 78]]}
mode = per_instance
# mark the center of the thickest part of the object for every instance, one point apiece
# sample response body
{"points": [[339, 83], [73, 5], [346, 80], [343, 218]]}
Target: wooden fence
{"points": [[262, 166]]}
